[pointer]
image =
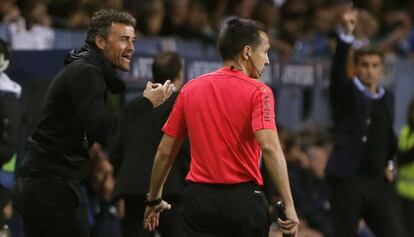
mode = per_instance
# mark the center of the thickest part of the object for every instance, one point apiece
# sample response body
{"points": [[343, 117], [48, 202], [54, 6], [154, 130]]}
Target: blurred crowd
{"points": [[296, 27], [305, 27]]}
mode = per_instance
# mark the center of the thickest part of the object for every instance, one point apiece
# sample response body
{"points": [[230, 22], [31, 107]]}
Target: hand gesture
{"points": [[152, 215], [390, 171], [349, 19], [289, 226], [158, 93]]}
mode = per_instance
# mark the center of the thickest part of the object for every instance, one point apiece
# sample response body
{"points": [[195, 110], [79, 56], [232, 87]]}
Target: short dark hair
{"points": [[236, 34], [166, 65], [367, 51], [103, 19]]}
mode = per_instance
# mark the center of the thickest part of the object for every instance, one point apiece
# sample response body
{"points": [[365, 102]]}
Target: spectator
{"points": [[295, 26], [11, 115], [9, 11], [267, 12], [240, 8], [175, 17], [322, 36], [150, 16], [32, 30], [137, 146], [405, 186], [197, 25], [98, 192]]}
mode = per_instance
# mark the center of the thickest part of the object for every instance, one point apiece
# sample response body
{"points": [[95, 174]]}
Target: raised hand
{"points": [[158, 93], [349, 19]]}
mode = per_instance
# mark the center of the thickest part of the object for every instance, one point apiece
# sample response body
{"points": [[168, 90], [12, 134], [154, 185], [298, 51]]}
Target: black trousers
{"points": [[134, 216], [224, 211], [51, 207], [373, 200]]}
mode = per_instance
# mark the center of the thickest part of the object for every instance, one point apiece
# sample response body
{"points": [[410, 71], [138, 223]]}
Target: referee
{"points": [[229, 117]]}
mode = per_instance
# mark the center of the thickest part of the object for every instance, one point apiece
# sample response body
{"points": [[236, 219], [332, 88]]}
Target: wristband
{"points": [[152, 203]]}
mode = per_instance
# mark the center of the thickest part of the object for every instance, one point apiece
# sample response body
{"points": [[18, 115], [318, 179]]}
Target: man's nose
{"points": [[131, 46]]}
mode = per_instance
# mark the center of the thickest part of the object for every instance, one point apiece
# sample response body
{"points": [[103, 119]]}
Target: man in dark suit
{"points": [[360, 169], [134, 154]]}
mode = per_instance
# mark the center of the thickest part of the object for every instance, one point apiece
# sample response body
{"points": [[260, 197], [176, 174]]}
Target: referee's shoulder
{"points": [[256, 84]]}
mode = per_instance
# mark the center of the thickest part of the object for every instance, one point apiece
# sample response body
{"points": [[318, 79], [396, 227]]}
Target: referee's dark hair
{"points": [[236, 34], [166, 66], [103, 19]]}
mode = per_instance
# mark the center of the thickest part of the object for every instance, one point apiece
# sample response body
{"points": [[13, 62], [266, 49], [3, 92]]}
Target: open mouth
{"points": [[126, 57]]}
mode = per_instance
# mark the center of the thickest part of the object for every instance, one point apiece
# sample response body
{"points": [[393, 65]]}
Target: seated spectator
{"points": [[367, 30], [239, 8], [150, 16], [32, 30], [79, 18], [317, 211], [9, 11], [323, 35], [267, 12], [175, 17], [395, 25], [295, 26], [97, 190], [197, 25]]}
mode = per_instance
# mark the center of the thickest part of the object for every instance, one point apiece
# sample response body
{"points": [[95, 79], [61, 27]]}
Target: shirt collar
{"points": [[380, 90]]}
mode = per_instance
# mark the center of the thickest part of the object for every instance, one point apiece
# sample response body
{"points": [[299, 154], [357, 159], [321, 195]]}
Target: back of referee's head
{"points": [[236, 34]]}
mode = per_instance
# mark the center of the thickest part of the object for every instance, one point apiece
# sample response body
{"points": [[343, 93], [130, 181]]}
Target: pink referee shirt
{"points": [[220, 112]]}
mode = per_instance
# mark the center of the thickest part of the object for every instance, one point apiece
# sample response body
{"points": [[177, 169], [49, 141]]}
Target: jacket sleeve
{"points": [[135, 109], [10, 126], [339, 80], [393, 149], [89, 96]]}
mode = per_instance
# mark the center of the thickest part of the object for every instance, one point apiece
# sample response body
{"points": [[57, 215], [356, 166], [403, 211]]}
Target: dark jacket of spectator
{"points": [[135, 151]]}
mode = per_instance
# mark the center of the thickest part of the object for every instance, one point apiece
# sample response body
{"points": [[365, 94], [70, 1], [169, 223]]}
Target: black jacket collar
{"points": [[92, 54]]}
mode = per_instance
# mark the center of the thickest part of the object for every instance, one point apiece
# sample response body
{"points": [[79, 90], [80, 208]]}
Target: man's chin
{"points": [[368, 82], [124, 68]]}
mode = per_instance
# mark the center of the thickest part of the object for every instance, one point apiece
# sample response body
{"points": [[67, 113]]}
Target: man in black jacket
{"points": [[75, 116], [135, 151], [359, 172]]}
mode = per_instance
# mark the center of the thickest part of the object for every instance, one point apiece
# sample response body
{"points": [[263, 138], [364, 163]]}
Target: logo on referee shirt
{"points": [[266, 104]]}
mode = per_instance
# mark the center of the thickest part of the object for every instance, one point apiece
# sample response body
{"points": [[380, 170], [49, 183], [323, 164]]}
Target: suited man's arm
{"points": [[339, 76]]}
